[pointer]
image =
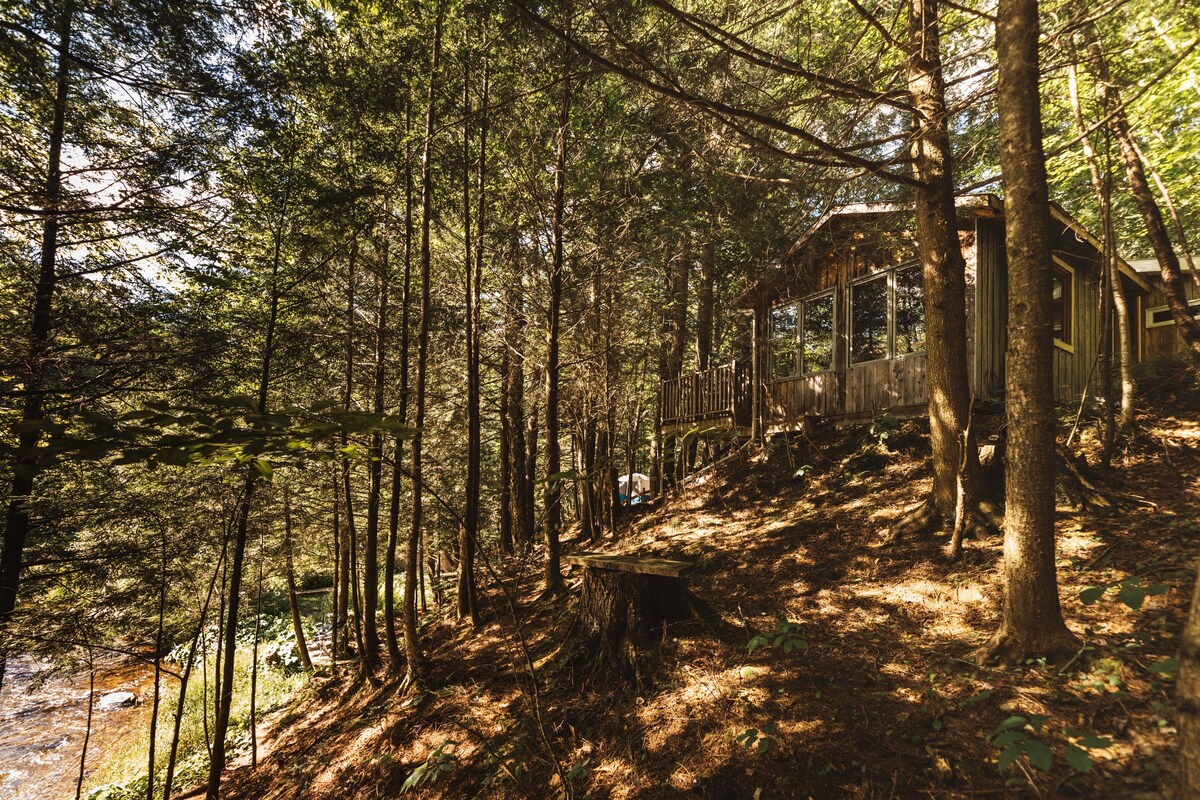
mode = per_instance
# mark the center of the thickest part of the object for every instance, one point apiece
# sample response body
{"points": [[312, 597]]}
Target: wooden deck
{"points": [[716, 398]]}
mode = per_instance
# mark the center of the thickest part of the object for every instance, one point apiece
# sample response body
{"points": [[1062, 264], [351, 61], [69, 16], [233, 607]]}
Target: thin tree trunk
{"points": [[704, 303], [515, 330], [1156, 229], [341, 574], [216, 763], [1100, 188], [87, 733], [415, 672], [389, 591], [552, 580], [169, 779], [254, 657], [1031, 623], [293, 600], [942, 266], [468, 604], [366, 661], [158, 645], [375, 473], [26, 468]]}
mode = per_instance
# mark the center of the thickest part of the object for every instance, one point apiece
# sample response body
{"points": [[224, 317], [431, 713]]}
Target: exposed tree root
{"points": [[1007, 647]]}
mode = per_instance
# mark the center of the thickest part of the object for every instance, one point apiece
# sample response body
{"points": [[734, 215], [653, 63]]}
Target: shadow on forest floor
{"points": [[882, 701]]}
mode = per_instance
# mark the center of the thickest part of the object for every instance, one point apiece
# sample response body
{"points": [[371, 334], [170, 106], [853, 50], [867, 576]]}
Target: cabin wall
{"points": [[991, 311], [1075, 365], [896, 384], [1161, 340]]}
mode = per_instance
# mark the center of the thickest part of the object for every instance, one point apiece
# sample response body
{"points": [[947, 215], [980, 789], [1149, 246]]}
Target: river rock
{"points": [[114, 700]]}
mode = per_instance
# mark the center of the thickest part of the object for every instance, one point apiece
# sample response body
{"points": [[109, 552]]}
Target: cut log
{"points": [[635, 564]]}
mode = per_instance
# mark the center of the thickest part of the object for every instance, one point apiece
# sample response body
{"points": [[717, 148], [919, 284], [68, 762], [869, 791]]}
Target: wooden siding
{"points": [[991, 313], [1162, 340], [1074, 372]]}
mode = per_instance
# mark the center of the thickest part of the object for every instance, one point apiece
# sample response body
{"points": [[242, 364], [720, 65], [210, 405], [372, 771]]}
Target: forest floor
{"points": [[877, 697]]}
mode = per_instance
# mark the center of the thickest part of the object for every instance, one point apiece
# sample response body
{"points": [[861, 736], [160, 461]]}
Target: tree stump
{"points": [[625, 602]]}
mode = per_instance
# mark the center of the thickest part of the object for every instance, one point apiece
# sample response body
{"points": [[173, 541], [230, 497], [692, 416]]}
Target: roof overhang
{"points": [[1062, 217]]}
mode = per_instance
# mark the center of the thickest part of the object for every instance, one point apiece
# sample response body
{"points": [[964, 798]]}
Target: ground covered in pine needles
{"points": [[860, 682]]}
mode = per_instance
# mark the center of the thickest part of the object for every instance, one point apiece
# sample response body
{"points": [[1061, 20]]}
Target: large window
{"points": [[910, 311], [783, 342], [869, 320], [887, 315], [1063, 311], [816, 338]]}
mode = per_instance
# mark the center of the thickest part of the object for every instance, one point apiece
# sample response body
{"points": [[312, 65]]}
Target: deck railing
{"points": [[717, 393]]}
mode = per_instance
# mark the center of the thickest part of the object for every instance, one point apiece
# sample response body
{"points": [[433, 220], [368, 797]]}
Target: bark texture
{"points": [[942, 266], [1188, 701], [1031, 622]]}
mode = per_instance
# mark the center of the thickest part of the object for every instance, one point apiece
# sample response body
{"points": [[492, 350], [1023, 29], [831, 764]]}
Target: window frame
{"points": [[895, 272], [890, 275], [831, 292], [886, 275], [771, 339], [1150, 312], [1067, 344]]}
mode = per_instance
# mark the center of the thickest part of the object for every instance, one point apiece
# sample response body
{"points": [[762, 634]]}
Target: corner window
{"points": [[783, 342], [910, 311], [816, 339], [1063, 309], [1159, 316], [869, 320]]}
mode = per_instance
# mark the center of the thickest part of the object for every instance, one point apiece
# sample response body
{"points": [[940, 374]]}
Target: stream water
{"points": [[43, 722]]}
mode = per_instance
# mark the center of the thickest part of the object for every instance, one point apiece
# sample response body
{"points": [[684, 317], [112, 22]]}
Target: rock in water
{"points": [[114, 700]]}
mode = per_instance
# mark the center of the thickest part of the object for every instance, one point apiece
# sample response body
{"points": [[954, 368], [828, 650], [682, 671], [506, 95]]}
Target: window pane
{"points": [[783, 342], [1061, 315], [868, 325], [910, 311], [818, 334]]}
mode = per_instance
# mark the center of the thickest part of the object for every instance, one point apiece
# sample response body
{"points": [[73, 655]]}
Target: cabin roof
{"points": [[973, 205]]}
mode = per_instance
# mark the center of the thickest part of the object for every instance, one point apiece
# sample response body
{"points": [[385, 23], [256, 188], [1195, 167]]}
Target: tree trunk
{"points": [[514, 328], [1187, 699], [415, 673], [1031, 623], [293, 600], [468, 604], [1120, 305], [26, 468], [375, 476], [942, 266], [552, 580], [216, 764], [180, 705], [704, 303], [1156, 229], [347, 489], [389, 585]]}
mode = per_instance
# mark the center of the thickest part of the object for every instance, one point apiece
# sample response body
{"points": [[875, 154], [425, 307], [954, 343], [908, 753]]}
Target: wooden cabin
{"points": [[1158, 334], [839, 324]]}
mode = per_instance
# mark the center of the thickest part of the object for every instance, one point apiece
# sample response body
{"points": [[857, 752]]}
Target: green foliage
{"points": [[1018, 736], [760, 739], [1132, 592], [882, 428], [787, 637], [439, 762]]}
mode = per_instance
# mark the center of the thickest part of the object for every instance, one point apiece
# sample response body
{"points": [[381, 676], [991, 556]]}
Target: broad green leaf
{"points": [[1038, 755], [1078, 758]]}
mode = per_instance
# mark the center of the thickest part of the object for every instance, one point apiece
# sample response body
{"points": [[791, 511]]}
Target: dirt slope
{"points": [[875, 699]]}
